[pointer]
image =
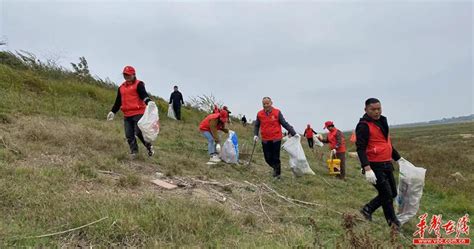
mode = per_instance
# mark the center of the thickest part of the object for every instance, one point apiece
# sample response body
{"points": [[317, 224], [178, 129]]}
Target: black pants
{"points": [[177, 111], [387, 190], [271, 152], [310, 142], [132, 130]]}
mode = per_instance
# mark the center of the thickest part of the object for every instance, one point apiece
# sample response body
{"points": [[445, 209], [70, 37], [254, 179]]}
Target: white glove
{"points": [[370, 177], [110, 116], [255, 138], [218, 148], [333, 151], [151, 103], [297, 135]]}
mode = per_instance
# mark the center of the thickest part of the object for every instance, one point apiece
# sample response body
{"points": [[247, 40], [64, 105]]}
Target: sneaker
{"points": [[133, 155], [274, 173], [367, 215], [215, 159], [395, 225], [151, 152]]}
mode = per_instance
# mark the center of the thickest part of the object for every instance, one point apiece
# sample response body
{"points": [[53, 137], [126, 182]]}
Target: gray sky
{"points": [[318, 60]]}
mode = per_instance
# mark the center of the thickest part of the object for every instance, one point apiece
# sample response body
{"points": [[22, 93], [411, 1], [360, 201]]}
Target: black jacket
{"points": [[176, 98], [363, 133]]}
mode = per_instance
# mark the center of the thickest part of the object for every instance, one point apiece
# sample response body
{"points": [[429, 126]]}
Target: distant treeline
{"points": [[453, 120]]}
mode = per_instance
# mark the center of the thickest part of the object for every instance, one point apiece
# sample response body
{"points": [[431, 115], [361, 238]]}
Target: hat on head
{"points": [[129, 70], [327, 124], [224, 116]]}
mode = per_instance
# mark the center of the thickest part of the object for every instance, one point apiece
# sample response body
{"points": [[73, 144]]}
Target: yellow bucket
{"points": [[334, 166]]}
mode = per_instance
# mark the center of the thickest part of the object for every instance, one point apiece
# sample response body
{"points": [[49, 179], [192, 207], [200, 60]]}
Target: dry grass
{"points": [[62, 166]]}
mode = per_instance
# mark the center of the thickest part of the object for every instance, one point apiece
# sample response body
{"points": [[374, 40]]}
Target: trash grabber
{"points": [[251, 155]]}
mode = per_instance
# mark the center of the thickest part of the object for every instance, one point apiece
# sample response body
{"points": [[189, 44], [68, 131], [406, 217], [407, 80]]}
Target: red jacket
{"points": [[131, 103], [379, 149], [270, 127], [332, 139], [205, 126]]}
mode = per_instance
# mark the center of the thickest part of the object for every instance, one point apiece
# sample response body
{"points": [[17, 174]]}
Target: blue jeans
{"points": [[211, 145]]}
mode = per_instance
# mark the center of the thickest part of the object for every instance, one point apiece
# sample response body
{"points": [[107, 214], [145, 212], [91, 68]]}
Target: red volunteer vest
{"points": [[205, 126], [270, 127], [353, 137], [333, 141], [131, 103], [308, 133], [379, 149]]}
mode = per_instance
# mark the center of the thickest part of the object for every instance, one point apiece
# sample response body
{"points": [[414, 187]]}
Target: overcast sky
{"points": [[318, 60]]}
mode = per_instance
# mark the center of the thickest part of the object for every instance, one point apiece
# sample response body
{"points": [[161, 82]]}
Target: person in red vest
{"points": [[225, 108], [209, 127], [375, 151], [337, 144], [308, 133], [132, 99], [269, 122]]}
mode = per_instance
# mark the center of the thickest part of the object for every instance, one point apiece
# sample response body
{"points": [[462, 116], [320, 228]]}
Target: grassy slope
{"points": [[56, 142]]}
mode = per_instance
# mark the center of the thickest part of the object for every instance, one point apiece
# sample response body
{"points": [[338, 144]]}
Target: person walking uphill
{"points": [[244, 121], [132, 99], [176, 99], [375, 151], [209, 127], [308, 133], [337, 144], [269, 122]]}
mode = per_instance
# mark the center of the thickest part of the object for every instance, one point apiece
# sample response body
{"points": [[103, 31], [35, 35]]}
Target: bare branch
{"points": [[205, 102]]}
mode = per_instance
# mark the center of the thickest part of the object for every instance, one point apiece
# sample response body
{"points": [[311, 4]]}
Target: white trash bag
{"points": [[230, 150], [298, 163], [171, 112], [316, 140], [410, 190], [149, 123]]}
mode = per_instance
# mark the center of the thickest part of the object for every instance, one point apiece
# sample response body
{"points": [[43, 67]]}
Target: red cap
{"points": [[328, 123], [223, 116], [227, 109], [129, 70]]}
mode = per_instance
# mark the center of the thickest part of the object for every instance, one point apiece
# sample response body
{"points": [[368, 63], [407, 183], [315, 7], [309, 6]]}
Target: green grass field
{"points": [[63, 166]]}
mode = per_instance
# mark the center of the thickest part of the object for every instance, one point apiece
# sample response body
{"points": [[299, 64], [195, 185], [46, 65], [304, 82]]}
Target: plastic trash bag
{"points": [[317, 142], [171, 112], [410, 190], [230, 150], [298, 163], [149, 123]]}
